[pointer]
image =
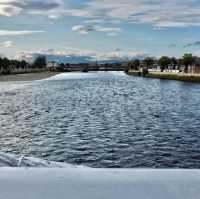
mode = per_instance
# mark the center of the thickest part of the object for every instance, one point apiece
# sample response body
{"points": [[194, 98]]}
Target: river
{"points": [[103, 119]]}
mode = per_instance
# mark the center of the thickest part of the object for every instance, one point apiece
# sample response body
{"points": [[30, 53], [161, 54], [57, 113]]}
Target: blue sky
{"points": [[99, 29]]}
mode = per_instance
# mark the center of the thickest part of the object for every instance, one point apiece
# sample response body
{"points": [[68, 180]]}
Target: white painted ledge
{"points": [[86, 183]]}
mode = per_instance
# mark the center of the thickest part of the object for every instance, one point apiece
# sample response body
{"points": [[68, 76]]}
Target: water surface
{"points": [[105, 119]]}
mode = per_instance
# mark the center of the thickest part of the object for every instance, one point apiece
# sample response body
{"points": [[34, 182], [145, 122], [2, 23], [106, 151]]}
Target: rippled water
{"points": [[104, 119]]}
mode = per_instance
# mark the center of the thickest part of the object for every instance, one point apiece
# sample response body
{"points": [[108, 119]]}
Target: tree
{"points": [[23, 64], [180, 64], [1, 63], [164, 62], [62, 65], [149, 62], [6, 66], [188, 60], [174, 62], [134, 65], [40, 62], [15, 64], [130, 65]]}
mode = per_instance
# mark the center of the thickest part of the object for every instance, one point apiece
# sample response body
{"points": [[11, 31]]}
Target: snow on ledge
{"points": [[11, 160], [88, 183]]}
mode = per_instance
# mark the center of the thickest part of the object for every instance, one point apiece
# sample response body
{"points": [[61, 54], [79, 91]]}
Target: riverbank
{"points": [[27, 76], [168, 76]]}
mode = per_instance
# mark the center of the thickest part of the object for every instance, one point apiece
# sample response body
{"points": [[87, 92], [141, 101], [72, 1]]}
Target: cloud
{"points": [[108, 29], [8, 11], [11, 8], [6, 44], [172, 45], [85, 29], [192, 44], [18, 32], [86, 13], [159, 13], [94, 21], [73, 55]]}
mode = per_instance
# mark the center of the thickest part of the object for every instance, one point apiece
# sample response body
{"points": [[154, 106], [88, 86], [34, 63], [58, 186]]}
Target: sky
{"points": [[98, 30]]}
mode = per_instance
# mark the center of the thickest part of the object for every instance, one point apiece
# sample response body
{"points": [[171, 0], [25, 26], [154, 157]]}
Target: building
{"points": [[52, 66]]}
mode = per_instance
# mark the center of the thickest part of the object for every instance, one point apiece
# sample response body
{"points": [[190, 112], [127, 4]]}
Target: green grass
{"points": [[167, 76], [134, 73]]}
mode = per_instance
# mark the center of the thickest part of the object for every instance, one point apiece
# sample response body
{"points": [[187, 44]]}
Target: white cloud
{"points": [[108, 29], [85, 29], [158, 13], [94, 21], [8, 11], [11, 8], [82, 55], [18, 33], [80, 12], [6, 44]]}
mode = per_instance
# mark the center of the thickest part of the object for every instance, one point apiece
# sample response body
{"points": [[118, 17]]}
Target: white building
{"points": [[52, 65]]}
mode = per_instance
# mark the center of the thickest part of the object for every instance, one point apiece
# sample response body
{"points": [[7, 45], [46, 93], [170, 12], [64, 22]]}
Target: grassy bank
{"points": [[168, 76], [37, 70], [27, 76]]}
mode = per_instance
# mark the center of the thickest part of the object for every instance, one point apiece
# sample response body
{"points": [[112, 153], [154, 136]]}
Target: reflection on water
{"points": [[104, 119]]}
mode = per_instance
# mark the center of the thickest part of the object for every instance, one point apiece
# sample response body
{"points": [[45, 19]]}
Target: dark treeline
{"points": [[8, 66], [188, 63], [183, 64]]}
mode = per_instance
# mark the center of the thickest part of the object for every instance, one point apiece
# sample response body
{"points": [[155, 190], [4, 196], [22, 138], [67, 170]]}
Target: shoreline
{"points": [[27, 76], [168, 76]]}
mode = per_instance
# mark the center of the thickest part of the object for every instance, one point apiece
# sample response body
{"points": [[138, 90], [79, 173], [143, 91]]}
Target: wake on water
{"points": [[11, 160]]}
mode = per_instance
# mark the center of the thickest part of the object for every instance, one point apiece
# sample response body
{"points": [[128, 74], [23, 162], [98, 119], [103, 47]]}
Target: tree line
{"points": [[7, 66], [164, 63]]}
